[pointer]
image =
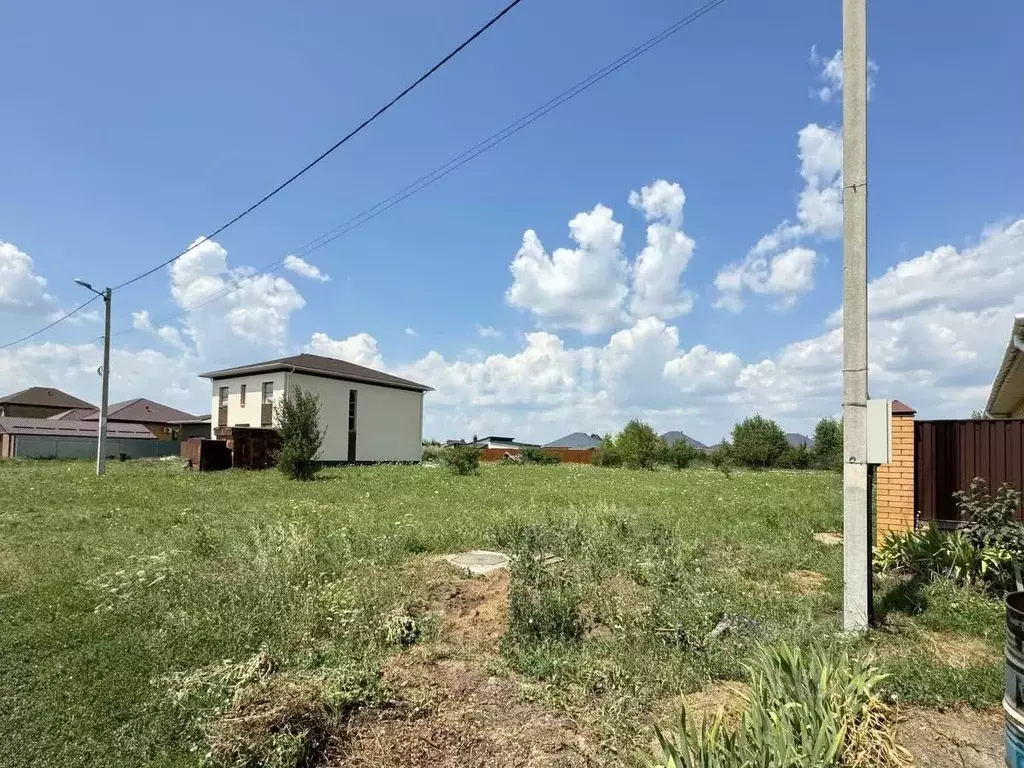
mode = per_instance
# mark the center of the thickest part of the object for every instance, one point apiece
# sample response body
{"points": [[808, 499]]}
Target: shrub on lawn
{"points": [[804, 709], [930, 555], [432, 453], [795, 457], [532, 455], [461, 459], [679, 455], [606, 454], [828, 444], [543, 605], [298, 418], [639, 445], [758, 442], [991, 522], [720, 458]]}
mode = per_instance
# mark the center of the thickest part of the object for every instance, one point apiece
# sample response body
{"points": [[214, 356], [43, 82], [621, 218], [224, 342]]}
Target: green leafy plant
{"points": [[298, 418], [991, 522], [721, 458], [639, 445], [828, 444], [432, 453], [796, 457], [815, 708], [679, 455], [758, 442], [607, 454], [930, 554], [532, 455], [461, 459]]}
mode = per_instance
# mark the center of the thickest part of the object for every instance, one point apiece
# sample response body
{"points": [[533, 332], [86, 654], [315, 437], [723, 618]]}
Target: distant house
{"points": [[368, 415], [40, 403], [197, 426], [796, 440], [500, 443], [1006, 398], [68, 439], [674, 437], [161, 420], [575, 441]]}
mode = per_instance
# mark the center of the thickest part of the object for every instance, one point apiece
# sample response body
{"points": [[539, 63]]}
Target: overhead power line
{"points": [[454, 163], [45, 328], [295, 176]]}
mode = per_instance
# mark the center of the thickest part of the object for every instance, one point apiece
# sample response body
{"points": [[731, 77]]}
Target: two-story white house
{"points": [[368, 415]]}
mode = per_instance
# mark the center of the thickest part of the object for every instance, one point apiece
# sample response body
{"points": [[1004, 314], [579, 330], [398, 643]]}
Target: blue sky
{"points": [[130, 132]]}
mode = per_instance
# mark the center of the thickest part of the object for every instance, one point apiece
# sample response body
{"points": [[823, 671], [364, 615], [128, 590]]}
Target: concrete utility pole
{"points": [[856, 513], [101, 437]]}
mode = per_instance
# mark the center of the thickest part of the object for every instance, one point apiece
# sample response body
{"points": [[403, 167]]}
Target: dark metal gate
{"points": [[949, 454]]}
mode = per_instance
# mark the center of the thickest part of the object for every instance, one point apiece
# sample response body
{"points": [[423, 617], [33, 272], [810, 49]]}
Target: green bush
{"points": [[812, 708], [679, 455], [298, 418], [828, 444], [639, 446], [606, 454], [532, 455], [758, 442], [796, 457], [720, 458], [929, 554], [461, 459], [991, 522], [432, 453]]}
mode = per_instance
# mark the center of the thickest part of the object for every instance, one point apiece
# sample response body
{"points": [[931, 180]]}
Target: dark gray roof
{"points": [[76, 414], [675, 436], [144, 410], [48, 396], [317, 365], [795, 439], [575, 440], [16, 425]]}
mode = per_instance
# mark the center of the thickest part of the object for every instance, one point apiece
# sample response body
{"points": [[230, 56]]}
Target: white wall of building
{"points": [[389, 421], [251, 414]]}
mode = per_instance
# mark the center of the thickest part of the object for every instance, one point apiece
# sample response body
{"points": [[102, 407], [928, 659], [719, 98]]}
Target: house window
{"points": [[352, 394], [267, 408], [242, 395], [223, 397], [222, 410]]}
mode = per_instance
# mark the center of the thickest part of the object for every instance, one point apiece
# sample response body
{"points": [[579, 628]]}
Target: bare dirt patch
{"points": [[806, 582], [959, 651], [955, 738], [829, 539], [473, 611], [455, 714]]}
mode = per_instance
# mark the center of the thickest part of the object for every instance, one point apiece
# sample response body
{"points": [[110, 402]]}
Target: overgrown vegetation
{"points": [[980, 553], [758, 442], [817, 708], [639, 445], [298, 419], [533, 455], [117, 591], [461, 459], [828, 444]]}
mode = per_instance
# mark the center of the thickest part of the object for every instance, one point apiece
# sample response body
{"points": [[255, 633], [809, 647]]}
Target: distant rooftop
{"points": [[318, 365], [44, 396], [16, 425]]}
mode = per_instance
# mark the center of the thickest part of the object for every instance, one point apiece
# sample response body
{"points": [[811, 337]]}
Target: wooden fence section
{"points": [[567, 455], [949, 454]]}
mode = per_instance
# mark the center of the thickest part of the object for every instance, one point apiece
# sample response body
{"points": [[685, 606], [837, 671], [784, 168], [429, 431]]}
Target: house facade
{"points": [[1006, 398], [40, 403], [368, 415]]}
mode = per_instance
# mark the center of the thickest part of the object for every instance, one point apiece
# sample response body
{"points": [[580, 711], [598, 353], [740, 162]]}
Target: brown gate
{"points": [[949, 454]]}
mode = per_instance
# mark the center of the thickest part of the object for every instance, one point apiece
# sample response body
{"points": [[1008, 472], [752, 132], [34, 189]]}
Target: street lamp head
{"points": [[84, 284]]}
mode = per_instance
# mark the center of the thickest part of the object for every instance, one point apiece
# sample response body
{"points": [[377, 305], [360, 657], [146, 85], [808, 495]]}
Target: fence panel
{"points": [[567, 455], [949, 454]]}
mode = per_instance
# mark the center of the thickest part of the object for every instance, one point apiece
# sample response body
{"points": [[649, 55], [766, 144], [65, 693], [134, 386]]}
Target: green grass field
{"points": [[121, 597]]}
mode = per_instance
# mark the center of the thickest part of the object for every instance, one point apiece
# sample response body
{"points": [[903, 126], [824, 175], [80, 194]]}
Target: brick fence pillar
{"points": [[894, 482]]}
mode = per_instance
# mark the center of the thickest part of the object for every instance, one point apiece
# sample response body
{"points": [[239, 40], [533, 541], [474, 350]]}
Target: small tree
{"points": [[639, 445], [680, 454], [758, 442], [461, 459], [606, 454], [298, 418], [796, 457], [828, 444]]}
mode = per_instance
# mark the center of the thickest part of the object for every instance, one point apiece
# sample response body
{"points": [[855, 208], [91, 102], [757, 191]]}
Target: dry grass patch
{"points": [[959, 651], [806, 582], [954, 738]]}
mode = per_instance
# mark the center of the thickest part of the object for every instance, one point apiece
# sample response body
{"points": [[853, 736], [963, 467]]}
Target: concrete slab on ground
{"points": [[479, 562]]}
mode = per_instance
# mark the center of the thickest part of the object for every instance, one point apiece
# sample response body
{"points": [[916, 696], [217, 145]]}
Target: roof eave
{"points": [[1011, 358], [234, 373]]}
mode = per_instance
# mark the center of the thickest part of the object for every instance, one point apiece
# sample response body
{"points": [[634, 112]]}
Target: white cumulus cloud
{"points": [[300, 266], [360, 349], [21, 289], [658, 271]]}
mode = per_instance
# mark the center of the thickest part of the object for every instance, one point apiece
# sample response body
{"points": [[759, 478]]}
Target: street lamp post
{"points": [[101, 438]]}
